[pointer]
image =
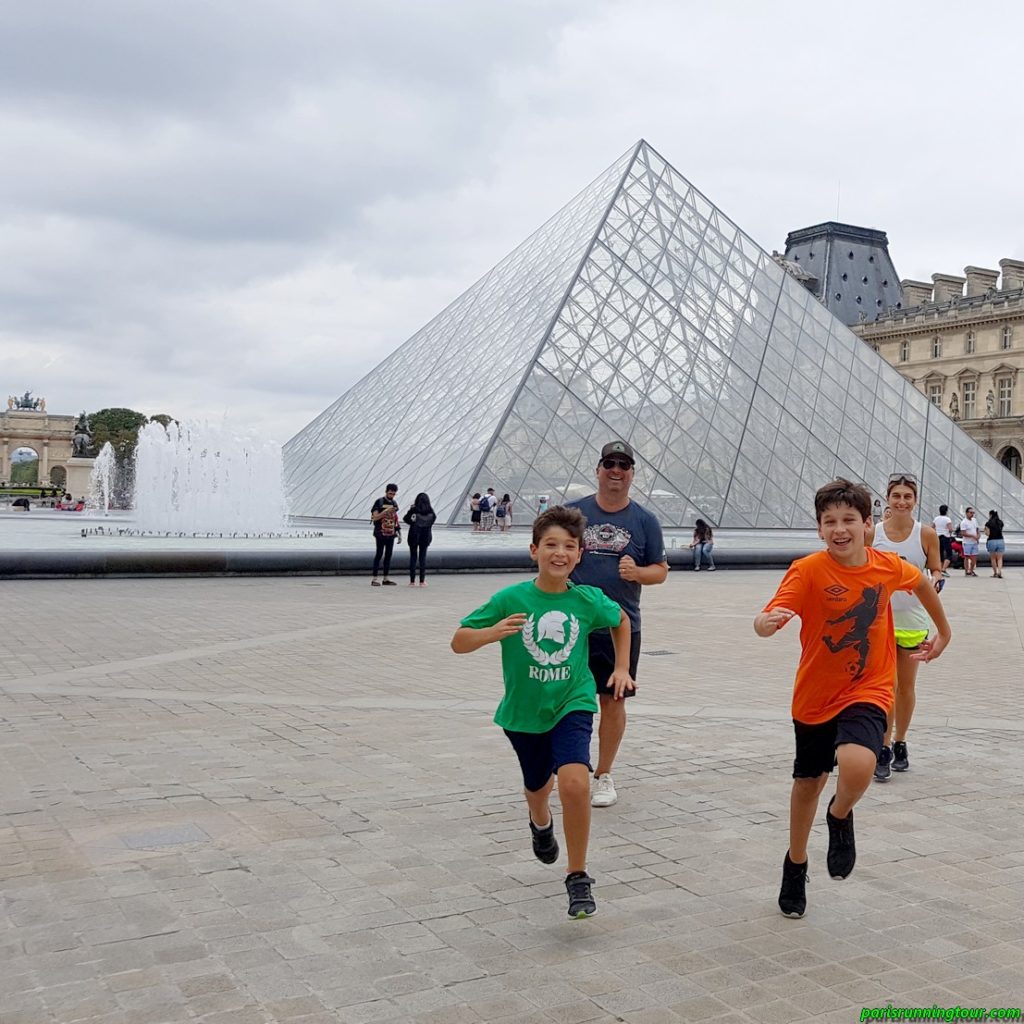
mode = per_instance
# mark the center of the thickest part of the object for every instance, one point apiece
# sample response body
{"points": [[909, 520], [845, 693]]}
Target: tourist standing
{"points": [[384, 516], [904, 535], [474, 512], [487, 505], [623, 551], [420, 519], [994, 543], [970, 534], [702, 545], [548, 708], [542, 505], [944, 531], [843, 685], [504, 513]]}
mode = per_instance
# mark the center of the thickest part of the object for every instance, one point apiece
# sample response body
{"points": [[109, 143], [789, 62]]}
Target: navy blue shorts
{"points": [[863, 724], [602, 660], [541, 754]]}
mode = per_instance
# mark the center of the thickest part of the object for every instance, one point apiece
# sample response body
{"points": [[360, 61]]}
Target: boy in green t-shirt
{"points": [[549, 704]]}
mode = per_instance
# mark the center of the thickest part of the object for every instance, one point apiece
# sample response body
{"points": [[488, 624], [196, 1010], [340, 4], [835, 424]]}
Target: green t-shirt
{"points": [[545, 665]]}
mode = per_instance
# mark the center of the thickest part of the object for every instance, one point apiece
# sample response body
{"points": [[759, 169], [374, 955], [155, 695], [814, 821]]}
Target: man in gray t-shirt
{"points": [[623, 551]]}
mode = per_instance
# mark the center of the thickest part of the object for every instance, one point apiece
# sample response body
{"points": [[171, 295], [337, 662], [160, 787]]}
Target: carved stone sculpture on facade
{"points": [[954, 407], [990, 405]]}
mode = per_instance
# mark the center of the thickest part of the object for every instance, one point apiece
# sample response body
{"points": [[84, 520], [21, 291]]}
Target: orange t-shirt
{"points": [[848, 643]]}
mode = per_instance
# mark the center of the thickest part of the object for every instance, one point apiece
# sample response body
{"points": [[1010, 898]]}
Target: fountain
{"points": [[199, 478], [101, 479]]}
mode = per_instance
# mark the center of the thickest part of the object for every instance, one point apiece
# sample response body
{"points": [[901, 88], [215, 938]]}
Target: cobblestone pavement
{"points": [[282, 800]]}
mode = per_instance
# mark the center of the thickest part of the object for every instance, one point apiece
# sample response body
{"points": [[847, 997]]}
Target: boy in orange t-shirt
{"points": [[844, 682]]}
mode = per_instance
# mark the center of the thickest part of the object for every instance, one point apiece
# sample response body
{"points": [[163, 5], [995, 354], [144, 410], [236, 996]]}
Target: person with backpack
{"points": [[421, 519], [384, 516], [503, 513], [487, 505]]}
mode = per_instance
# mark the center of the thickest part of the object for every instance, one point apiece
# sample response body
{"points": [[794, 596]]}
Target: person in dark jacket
{"points": [[995, 544], [420, 518]]}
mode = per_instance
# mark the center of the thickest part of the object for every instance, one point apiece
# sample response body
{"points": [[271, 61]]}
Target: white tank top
{"points": [[907, 612]]}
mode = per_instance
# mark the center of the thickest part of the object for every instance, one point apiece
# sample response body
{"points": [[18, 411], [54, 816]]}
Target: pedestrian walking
{"points": [[943, 527]]}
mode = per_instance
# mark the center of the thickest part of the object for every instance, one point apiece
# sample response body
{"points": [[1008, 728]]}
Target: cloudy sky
{"points": [[241, 207]]}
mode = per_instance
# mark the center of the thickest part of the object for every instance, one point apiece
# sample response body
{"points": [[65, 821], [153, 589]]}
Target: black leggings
{"points": [[417, 553], [385, 546]]}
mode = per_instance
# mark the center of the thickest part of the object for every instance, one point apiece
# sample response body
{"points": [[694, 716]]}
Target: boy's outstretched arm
{"points": [[467, 640], [769, 623], [931, 648], [620, 680]]}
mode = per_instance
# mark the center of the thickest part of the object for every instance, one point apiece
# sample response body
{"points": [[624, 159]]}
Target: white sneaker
{"points": [[603, 794]]}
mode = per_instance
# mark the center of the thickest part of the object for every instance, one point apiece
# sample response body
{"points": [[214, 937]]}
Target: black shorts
{"points": [[541, 754], [946, 548], [863, 724], [602, 660], [474, 516]]}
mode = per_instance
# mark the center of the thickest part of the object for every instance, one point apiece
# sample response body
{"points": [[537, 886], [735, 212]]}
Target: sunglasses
{"points": [[617, 464], [903, 478]]}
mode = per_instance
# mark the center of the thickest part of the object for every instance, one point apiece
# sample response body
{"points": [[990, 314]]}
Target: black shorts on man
{"points": [[862, 723], [602, 660]]}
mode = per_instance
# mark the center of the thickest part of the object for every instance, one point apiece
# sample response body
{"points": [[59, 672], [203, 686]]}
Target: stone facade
{"points": [[960, 341], [50, 436]]}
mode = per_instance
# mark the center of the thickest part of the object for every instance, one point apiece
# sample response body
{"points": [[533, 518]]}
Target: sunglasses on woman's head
{"points": [[616, 464], [903, 478]]}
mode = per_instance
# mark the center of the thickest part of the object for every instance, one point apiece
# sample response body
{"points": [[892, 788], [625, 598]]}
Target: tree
{"points": [[121, 428]]}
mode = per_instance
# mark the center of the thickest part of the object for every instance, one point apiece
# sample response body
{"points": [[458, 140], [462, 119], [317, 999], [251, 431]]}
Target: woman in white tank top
{"points": [[919, 545]]}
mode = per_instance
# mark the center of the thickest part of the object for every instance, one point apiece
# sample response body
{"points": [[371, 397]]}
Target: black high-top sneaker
{"points": [[793, 894], [842, 850]]}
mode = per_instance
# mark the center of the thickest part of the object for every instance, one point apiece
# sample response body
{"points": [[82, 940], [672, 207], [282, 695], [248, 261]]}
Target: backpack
{"points": [[485, 503], [500, 511]]}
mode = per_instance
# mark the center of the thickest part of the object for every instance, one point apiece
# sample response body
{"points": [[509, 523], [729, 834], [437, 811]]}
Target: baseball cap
{"points": [[613, 448]]}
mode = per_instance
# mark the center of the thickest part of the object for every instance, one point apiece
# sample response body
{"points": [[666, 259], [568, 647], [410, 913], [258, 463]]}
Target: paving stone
{"points": [[192, 830]]}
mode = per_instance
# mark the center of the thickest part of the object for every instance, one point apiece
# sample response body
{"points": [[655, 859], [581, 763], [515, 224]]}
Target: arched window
{"points": [[1011, 460]]}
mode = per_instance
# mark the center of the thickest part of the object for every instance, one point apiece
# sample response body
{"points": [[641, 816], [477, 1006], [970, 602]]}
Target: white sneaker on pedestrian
{"points": [[603, 793]]}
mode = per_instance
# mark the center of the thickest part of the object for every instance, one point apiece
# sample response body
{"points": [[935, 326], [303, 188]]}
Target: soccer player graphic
{"points": [[861, 616]]}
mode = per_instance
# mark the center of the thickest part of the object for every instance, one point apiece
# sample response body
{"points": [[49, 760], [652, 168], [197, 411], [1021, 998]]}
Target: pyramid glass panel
{"points": [[638, 311]]}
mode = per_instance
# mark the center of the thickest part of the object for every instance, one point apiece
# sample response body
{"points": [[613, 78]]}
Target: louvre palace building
{"points": [[958, 339]]}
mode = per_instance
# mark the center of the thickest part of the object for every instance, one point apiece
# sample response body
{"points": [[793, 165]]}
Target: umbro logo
{"points": [[836, 590]]}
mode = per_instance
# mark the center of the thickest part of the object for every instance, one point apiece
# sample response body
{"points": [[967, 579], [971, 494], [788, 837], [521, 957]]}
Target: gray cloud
{"points": [[245, 206]]}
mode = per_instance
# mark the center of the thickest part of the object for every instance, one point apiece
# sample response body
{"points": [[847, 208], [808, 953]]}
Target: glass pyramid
{"points": [[639, 311]]}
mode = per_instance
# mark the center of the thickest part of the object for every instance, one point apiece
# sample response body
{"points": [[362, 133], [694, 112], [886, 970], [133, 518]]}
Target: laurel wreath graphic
{"points": [[555, 657]]}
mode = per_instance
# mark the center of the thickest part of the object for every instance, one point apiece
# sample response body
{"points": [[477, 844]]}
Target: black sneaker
{"points": [[900, 761], [545, 845], [883, 766], [842, 850], [389, 583], [793, 894], [581, 898]]}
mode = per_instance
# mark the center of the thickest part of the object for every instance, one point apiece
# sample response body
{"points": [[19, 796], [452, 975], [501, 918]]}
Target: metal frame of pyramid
{"points": [[639, 311]]}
